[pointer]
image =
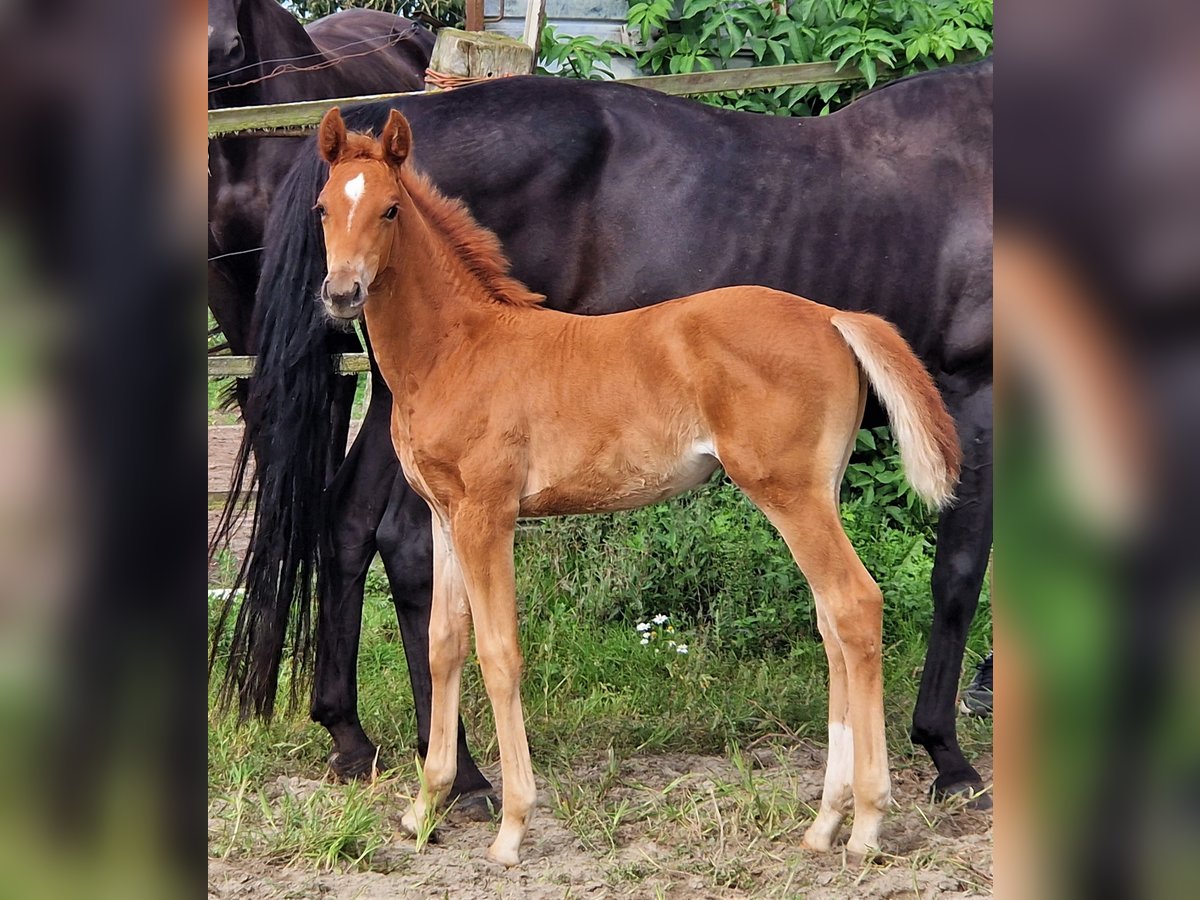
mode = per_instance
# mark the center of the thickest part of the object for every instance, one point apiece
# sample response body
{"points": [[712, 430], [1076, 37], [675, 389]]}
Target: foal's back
{"points": [[614, 412]]}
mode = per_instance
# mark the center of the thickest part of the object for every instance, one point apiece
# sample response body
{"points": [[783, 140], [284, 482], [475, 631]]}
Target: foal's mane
{"points": [[477, 248]]}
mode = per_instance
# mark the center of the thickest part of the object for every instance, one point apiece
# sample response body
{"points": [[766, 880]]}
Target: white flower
{"points": [[671, 644], [660, 619], [682, 648], [645, 641], [643, 626]]}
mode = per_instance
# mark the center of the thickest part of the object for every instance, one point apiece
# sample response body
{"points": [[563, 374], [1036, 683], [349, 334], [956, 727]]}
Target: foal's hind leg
{"points": [[851, 606], [838, 794]]}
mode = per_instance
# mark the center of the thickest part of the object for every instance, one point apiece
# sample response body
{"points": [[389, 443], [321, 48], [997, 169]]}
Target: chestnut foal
{"points": [[503, 409]]}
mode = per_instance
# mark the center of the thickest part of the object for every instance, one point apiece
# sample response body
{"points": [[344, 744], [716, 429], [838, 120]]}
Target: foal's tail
{"points": [[924, 430]]}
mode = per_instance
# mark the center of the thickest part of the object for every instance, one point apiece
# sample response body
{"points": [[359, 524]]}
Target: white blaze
{"points": [[354, 191]]}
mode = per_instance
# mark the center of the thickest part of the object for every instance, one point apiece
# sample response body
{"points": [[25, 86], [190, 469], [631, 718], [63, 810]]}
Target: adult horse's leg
{"points": [[354, 505], [964, 539], [405, 541]]}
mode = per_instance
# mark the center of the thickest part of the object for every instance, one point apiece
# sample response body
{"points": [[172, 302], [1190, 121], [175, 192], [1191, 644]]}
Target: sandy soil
{"points": [[685, 838]]}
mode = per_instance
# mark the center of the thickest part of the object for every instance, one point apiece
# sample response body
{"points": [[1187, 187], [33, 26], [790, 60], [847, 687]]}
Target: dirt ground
{"points": [[678, 826], [686, 835], [223, 441]]}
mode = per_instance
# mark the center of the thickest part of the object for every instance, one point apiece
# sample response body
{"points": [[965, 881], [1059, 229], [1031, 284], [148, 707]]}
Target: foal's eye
{"points": [[391, 212], [320, 210]]}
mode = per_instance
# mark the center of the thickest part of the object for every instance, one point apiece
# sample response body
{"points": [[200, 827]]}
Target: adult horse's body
{"points": [[259, 53], [495, 415], [607, 197]]}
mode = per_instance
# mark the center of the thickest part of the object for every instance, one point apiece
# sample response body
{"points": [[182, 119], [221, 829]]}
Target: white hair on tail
{"points": [[914, 408]]}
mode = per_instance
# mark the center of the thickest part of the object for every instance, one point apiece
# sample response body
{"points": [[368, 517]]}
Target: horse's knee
{"points": [[407, 550], [447, 645], [857, 617], [501, 667], [351, 537]]}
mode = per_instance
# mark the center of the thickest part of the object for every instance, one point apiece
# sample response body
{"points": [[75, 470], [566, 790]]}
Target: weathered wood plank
{"points": [[749, 79], [243, 366], [283, 119], [287, 119]]}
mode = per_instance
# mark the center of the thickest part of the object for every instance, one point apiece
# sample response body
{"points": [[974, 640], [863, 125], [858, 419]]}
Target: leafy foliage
{"points": [[876, 478], [436, 12], [582, 56], [876, 36]]}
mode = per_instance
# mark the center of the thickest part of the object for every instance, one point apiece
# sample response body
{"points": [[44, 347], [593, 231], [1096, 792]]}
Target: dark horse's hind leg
{"points": [[964, 539], [406, 544]]}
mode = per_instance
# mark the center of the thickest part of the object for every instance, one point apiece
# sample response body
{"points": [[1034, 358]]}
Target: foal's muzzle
{"points": [[344, 301]]}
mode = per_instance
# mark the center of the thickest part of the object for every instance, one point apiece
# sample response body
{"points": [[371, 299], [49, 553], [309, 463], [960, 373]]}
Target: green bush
{"points": [[704, 35], [439, 12]]}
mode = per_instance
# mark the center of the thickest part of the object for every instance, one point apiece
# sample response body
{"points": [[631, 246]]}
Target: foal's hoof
{"points": [[476, 806], [408, 828], [971, 793], [507, 857], [860, 856], [356, 765], [818, 843]]}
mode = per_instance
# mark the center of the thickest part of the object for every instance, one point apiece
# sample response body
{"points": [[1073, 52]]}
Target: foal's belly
{"points": [[616, 481]]}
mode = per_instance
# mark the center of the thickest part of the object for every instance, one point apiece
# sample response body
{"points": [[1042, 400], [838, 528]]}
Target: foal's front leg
{"points": [[449, 633], [483, 540]]}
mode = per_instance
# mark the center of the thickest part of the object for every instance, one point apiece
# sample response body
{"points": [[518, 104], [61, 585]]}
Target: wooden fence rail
{"points": [[292, 119], [243, 366]]}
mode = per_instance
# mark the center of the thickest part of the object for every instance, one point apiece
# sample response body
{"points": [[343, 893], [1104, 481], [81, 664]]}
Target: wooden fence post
{"points": [[535, 21], [474, 15]]}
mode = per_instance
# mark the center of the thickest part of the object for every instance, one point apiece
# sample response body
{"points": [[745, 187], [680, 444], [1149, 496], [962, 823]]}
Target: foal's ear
{"points": [[331, 136], [397, 138]]}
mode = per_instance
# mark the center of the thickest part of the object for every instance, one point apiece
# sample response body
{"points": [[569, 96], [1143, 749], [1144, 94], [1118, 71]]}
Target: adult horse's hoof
{"points": [[475, 806], [971, 793], [356, 765]]}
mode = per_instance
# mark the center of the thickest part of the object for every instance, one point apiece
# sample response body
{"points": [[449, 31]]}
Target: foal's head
{"points": [[359, 207]]}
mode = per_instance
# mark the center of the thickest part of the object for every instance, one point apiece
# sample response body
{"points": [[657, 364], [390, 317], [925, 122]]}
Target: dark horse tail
{"points": [[293, 429]]}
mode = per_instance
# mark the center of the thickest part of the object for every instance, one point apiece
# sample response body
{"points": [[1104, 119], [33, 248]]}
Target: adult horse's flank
{"points": [[495, 416], [885, 206]]}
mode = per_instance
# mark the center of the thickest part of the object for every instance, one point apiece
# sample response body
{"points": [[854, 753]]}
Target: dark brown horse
{"points": [[884, 206]]}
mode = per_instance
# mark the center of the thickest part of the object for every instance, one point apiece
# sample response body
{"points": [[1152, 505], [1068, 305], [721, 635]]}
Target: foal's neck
{"points": [[426, 299]]}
